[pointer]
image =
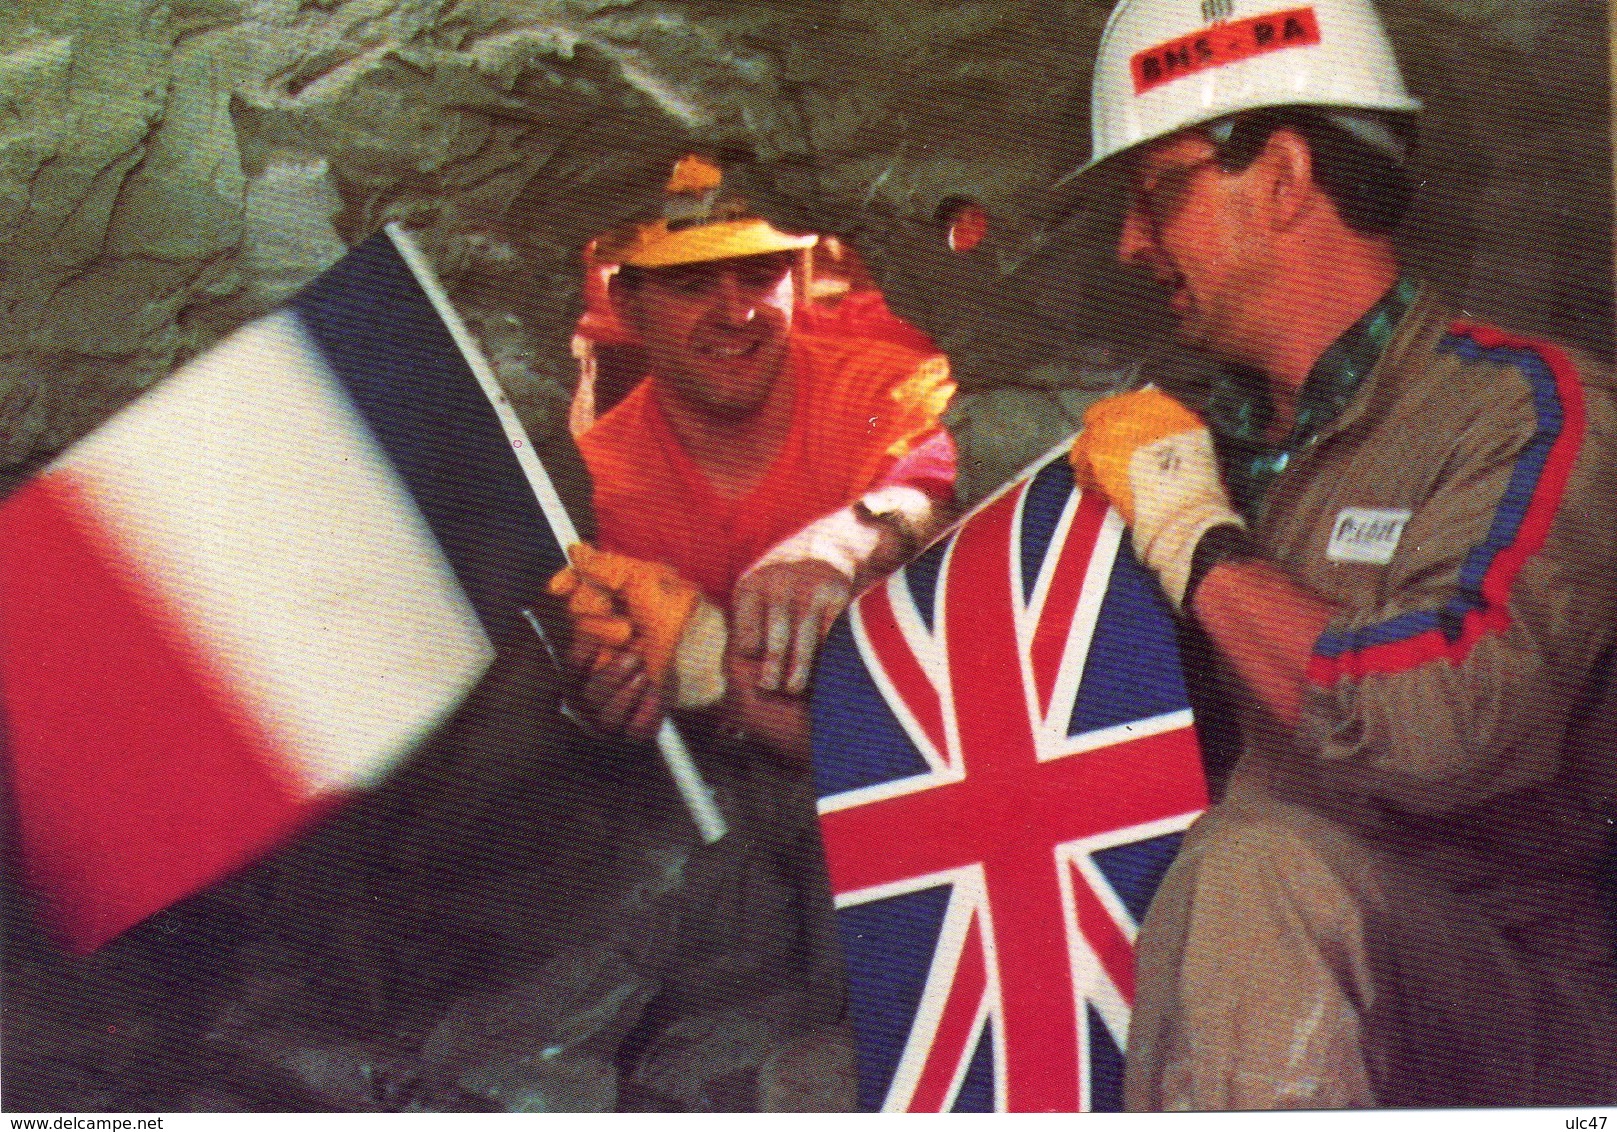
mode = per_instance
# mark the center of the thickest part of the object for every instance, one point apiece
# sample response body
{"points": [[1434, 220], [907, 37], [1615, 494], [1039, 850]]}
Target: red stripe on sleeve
{"points": [[1493, 616]]}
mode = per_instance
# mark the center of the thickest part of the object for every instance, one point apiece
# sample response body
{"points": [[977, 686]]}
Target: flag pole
{"points": [[697, 795]]}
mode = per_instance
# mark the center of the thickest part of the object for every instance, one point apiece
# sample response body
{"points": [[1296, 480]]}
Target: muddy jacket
{"points": [[1462, 514]]}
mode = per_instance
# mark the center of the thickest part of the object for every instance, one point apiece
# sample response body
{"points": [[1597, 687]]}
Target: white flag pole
{"points": [[696, 793]]}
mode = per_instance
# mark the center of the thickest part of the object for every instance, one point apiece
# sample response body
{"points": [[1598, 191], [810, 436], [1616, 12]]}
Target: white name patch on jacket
{"points": [[1366, 534]]}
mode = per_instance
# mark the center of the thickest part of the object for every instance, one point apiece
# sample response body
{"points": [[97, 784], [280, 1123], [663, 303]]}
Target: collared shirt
{"points": [[1239, 405]]}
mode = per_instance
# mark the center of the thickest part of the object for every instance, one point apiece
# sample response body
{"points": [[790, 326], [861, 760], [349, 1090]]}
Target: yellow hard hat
{"points": [[698, 224]]}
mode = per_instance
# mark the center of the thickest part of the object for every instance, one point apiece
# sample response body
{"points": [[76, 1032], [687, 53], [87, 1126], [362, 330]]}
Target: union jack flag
{"points": [[1006, 763]]}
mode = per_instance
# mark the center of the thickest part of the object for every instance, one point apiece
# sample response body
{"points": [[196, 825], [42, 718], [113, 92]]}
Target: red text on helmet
{"points": [[1221, 45]]}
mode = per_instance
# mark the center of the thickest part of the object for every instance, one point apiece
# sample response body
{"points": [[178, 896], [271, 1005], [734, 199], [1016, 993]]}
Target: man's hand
{"points": [[776, 719], [1153, 458], [614, 693], [640, 633], [784, 605], [782, 611], [616, 601]]}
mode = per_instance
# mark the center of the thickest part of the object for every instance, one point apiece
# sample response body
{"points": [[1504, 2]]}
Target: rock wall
{"points": [[168, 169]]}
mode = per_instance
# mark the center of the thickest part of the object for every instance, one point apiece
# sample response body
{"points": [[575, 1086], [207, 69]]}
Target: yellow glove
{"points": [[594, 615], [1115, 428], [1154, 459], [619, 601]]}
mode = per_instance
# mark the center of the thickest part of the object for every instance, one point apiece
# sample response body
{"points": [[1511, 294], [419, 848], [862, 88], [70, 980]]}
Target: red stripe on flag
{"points": [[1112, 947], [135, 781], [1054, 623], [924, 831], [1042, 1055], [952, 1046], [880, 624]]}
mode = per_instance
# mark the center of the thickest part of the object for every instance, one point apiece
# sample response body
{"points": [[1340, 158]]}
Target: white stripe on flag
{"points": [[293, 553]]}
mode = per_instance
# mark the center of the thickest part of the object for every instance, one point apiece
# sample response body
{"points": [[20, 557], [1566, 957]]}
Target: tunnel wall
{"points": [[169, 169]]}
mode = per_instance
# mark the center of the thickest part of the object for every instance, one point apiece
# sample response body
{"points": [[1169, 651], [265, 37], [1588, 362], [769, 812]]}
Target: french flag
{"points": [[258, 588]]}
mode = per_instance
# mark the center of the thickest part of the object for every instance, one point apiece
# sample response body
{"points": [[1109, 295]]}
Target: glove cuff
{"points": [[1171, 552], [1224, 543], [696, 677]]}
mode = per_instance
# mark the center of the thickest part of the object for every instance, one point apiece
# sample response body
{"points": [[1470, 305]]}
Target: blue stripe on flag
{"points": [[1135, 870], [887, 946], [921, 577], [857, 742], [1105, 1067], [1047, 497], [1133, 671], [407, 379], [977, 1090]]}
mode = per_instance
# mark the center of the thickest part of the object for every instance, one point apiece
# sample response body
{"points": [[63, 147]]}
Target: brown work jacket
{"points": [[1462, 514]]}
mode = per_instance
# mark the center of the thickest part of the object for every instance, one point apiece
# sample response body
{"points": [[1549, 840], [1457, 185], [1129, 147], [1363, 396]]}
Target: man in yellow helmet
{"points": [[772, 470], [746, 486], [1395, 525], [748, 483]]}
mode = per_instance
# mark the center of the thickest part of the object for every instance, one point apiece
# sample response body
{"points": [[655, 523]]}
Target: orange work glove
{"points": [[1154, 459], [595, 615], [619, 602]]}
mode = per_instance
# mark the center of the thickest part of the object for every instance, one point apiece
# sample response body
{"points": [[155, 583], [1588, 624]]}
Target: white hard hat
{"points": [[1164, 65]]}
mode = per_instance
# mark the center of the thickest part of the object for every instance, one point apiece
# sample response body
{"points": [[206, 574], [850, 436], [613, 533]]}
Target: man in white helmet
{"points": [[1395, 524]]}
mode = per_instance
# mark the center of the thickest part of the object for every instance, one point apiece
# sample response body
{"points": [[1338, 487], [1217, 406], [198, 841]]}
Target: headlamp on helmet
{"points": [[699, 223]]}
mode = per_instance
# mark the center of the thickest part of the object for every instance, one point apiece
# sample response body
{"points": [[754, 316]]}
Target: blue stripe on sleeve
{"points": [[1508, 516]]}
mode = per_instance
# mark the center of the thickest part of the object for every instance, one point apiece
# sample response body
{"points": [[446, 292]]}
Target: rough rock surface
{"points": [[170, 168]]}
